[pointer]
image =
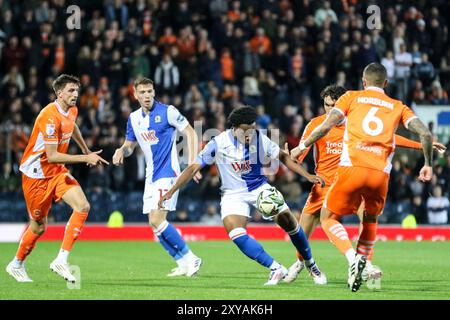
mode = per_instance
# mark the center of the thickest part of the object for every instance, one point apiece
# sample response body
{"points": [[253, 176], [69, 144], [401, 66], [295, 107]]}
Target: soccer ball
{"points": [[269, 202]]}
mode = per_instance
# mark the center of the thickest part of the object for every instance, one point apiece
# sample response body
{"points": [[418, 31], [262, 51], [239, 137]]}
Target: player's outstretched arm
{"points": [[298, 168], [403, 142], [184, 178], [124, 151], [193, 147], [416, 126], [79, 140], [332, 120], [54, 156]]}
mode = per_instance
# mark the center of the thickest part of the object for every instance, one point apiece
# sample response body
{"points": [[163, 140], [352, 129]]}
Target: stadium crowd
{"points": [[208, 57]]}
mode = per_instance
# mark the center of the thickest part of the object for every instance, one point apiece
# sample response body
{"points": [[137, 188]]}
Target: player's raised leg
{"points": [[286, 220], [76, 199], [236, 225], [188, 263]]}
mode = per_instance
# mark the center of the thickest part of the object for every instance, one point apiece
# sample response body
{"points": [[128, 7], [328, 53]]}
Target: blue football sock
{"points": [[173, 238], [300, 241], [174, 253], [250, 247]]}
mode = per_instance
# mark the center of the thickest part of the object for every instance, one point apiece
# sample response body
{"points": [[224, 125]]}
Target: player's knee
{"points": [[286, 221], [369, 218], [83, 206], [155, 219], [39, 229]]}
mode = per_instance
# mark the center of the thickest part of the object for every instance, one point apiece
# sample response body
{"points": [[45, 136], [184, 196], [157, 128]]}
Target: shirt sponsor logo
{"points": [[374, 149], [333, 147], [242, 167], [150, 136]]}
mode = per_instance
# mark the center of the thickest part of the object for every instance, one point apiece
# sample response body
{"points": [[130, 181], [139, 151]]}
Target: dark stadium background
{"points": [[215, 56]]}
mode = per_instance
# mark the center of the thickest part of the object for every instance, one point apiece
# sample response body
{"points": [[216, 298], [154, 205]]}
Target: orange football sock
{"points": [[339, 237], [27, 244], [299, 256], [73, 229], [367, 239]]}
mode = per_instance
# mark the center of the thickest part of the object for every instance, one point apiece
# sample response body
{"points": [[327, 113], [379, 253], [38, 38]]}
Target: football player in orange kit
{"points": [[45, 178], [327, 154], [371, 119]]}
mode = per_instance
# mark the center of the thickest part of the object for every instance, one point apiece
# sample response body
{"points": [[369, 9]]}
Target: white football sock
{"points": [[63, 255], [189, 256], [17, 263], [309, 262], [275, 265], [350, 255], [181, 262]]}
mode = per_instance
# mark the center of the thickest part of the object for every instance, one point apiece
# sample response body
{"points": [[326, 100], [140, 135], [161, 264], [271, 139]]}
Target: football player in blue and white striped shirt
{"points": [[240, 154], [154, 127]]}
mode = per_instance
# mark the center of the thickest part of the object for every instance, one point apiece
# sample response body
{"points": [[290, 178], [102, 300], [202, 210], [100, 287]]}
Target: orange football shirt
{"points": [[327, 150], [52, 126], [372, 119]]}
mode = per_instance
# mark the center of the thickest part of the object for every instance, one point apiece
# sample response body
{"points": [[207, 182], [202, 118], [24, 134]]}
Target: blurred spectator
{"points": [[290, 188], [424, 70], [181, 216], [9, 180], [438, 96], [418, 209], [167, 76], [403, 63], [227, 66], [211, 217], [260, 43], [438, 207], [263, 119], [324, 12]]}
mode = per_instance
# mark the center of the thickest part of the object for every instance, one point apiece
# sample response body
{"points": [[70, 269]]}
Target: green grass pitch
{"points": [[137, 270]]}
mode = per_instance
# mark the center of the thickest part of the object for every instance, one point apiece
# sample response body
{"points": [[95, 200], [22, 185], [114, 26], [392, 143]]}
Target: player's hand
{"points": [[426, 173], [94, 159], [316, 179], [439, 147], [286, 149], [165, 197], [197, 177], [118, 157], [86, 152], [295, 153]]}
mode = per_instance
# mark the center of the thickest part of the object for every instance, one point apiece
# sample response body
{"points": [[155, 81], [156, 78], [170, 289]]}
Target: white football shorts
{"points": [[154, 191], [239, 203]]}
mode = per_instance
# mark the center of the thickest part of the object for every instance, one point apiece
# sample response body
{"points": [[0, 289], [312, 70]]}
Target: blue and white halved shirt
{"points": [[156, 133], [240, 166]]}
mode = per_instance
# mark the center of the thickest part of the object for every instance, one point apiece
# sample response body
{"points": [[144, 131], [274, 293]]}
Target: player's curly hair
{"points": [[243, 115], [333, 91]]}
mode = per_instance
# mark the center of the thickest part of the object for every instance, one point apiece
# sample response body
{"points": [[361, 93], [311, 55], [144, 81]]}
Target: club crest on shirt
{"points": [[50, 129], [157, 119], [252, 149]]}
